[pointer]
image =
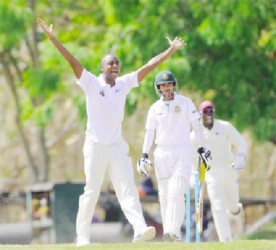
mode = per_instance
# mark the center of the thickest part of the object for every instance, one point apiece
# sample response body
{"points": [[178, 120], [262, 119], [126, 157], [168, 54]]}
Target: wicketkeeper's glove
{"points": [[239, 162], [144, 165], [205, 156]]}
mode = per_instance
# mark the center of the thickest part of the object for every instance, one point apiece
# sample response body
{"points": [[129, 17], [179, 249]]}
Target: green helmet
{"points": [[164, 77]]}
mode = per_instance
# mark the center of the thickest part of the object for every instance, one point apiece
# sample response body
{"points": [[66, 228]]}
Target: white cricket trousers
{"points": [[173, 170], [223, 191], [115, 160]]}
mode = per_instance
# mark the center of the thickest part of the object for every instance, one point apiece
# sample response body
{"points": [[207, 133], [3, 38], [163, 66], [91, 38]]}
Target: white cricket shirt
{"points": [[224, 141], [105, 105], [172, 121]]}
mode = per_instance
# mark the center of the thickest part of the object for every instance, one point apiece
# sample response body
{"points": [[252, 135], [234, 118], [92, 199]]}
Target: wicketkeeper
{"points": [[168, 122], [229, 152]]}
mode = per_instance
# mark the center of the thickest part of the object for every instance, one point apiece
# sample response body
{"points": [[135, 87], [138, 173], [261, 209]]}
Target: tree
{"points": [[235, 44], [230, 58], [230, 54], [23, 69]]}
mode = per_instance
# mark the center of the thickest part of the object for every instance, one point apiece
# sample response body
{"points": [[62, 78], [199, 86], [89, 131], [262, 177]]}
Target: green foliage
{"points": [[131, 102], [43, 114], [236, 57], [265, 128], [230, 57], [39, 106], [80, 103], [13, 24], [40, 83]]}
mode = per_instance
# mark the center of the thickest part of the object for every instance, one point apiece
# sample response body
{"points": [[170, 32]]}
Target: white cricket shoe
{"points": [[82, 241], [167, 237], [148, 234]]}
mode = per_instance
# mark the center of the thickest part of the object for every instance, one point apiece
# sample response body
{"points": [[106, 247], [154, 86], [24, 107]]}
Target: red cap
{"points": [[206, 104]]}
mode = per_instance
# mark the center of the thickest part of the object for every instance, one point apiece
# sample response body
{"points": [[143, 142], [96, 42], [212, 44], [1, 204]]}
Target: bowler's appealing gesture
{"points": [[105, 150]]}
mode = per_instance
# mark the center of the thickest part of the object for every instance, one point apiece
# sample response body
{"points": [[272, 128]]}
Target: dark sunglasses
{"points": [[208, 111]]}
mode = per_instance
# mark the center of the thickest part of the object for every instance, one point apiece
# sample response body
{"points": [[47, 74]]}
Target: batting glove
{"points": [[144, 165], [205, 156], [239, 162]]}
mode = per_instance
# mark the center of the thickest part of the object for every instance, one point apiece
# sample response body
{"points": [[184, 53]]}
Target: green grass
{"points": [[267, 232], [263, 239], [239, 245]]}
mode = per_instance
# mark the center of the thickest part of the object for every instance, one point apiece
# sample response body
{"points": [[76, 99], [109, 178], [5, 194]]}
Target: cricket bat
{"points": [[199, 208]]}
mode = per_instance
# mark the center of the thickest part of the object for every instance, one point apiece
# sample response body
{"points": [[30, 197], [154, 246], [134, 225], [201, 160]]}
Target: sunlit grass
{"points": [[267, 232], [244, 244], [263, 239]]}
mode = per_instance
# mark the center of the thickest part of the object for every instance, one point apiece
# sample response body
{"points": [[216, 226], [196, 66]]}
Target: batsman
{"points": [[168, 125], [229, 152]]}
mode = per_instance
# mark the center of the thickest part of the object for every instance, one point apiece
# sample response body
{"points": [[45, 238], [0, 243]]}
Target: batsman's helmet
{"points": [[164, 77]]}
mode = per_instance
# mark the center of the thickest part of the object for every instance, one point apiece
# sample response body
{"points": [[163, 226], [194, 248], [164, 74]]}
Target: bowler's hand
{"points": [[176, 43], [48, 30]]}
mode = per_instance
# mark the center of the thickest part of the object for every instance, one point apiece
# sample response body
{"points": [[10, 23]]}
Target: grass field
{"points": [[267, 232], [263, 239], [238, 245]]}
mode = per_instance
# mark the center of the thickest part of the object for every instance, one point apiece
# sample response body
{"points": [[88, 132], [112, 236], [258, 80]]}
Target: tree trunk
{"points": [[23, 137], [271, 174], [44, 157], [34, 54]]}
